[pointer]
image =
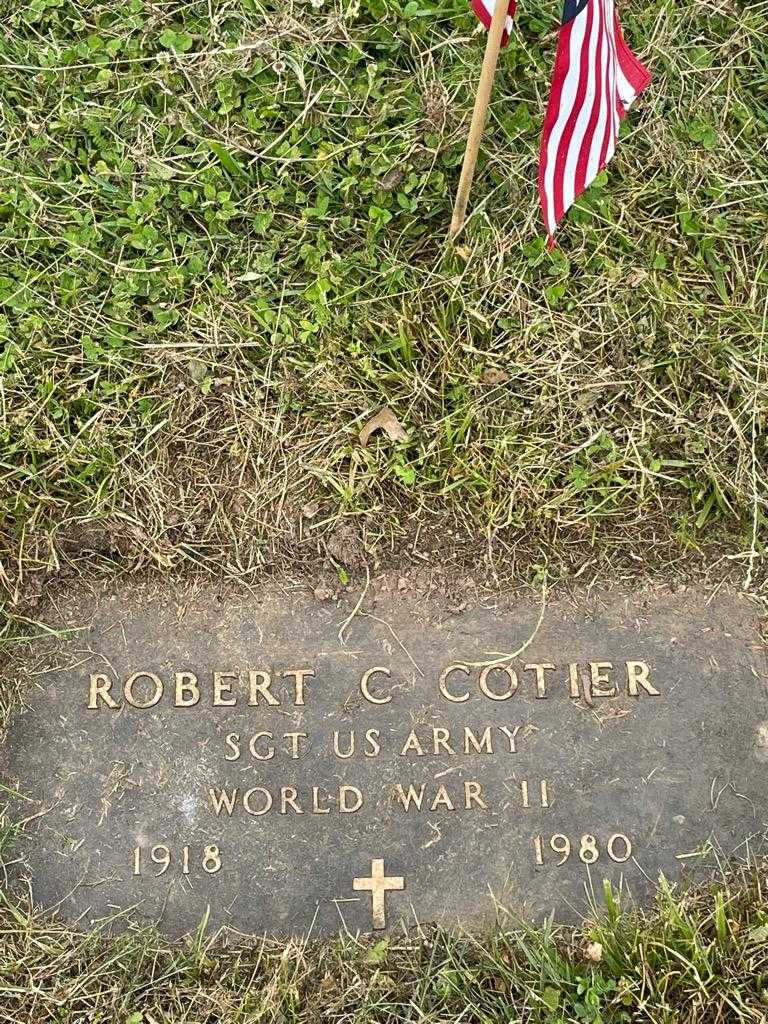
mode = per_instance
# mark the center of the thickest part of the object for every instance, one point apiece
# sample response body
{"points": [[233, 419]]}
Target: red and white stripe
{"points": [[595, 80], [484, 10]]}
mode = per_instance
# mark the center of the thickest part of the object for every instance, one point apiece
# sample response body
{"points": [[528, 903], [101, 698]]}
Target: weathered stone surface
{"points": [[644, 746]]}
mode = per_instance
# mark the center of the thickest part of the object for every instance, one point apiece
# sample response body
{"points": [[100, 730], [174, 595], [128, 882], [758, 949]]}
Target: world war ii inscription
{"points": [[290, 765]]}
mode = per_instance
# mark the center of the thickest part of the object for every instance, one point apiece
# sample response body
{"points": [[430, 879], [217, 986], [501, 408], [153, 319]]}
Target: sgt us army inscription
{"points": [[296, 771]]}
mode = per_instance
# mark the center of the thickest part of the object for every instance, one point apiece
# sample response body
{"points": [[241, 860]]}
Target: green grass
{"points": [[222, 241], [700, 957]]}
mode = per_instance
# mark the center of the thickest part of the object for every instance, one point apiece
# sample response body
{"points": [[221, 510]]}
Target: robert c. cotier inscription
{"points": [[184, 689], [144, 689], [258, 767]]}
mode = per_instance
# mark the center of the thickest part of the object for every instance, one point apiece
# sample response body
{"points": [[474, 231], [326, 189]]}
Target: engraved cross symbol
{"points": [[378, 885]]}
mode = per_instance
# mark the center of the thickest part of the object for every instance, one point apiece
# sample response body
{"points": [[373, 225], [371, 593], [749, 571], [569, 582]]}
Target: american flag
{"points": [[484, 10], [595, 80]]}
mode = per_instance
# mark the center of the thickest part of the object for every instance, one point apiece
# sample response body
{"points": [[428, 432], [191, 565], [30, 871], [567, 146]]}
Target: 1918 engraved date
{"points": [[161, 856]]}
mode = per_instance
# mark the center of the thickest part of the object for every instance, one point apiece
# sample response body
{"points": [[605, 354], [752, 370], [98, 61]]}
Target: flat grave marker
{"points": [[297, 769]]}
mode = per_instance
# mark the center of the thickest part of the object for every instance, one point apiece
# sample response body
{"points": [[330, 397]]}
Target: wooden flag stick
{"points": [[485, 85]]}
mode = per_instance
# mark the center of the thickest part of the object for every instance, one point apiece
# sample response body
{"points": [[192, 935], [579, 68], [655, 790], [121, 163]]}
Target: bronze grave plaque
{"points": [[301, 766]]}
